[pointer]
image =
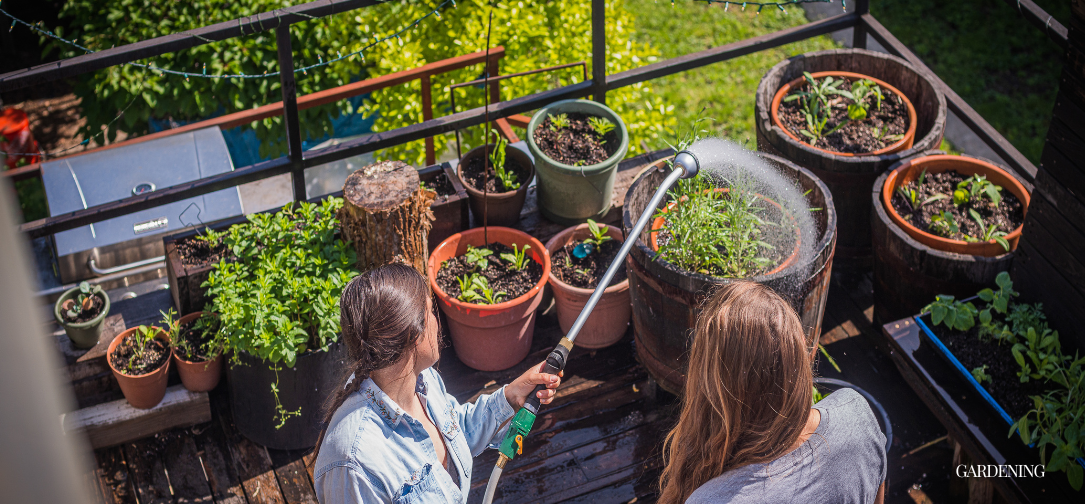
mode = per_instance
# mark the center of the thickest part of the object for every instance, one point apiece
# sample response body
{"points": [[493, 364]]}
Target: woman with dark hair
{"points": [[392, 432], [749, 431]]}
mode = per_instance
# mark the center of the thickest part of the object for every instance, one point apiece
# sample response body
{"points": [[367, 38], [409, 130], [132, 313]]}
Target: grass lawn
{"points": [[724, 90]]}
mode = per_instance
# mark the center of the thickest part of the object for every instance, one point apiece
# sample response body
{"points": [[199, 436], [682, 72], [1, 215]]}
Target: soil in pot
{"points": [[127, 358], [500, 273], [196, 251], [572, 139], [586, 271], [192, 339], [1007, 215], [440, 185], [473, 168], [882, 126], [92, 307]]}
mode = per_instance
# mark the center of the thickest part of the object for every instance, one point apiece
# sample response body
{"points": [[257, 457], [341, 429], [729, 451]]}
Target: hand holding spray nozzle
{"points": [[686, 165]]}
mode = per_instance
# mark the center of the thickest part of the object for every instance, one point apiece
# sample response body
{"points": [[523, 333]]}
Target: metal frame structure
{"points": [[860, 21]]}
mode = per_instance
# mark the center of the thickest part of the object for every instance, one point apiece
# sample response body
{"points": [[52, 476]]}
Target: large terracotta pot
{"points": [[902, 144], [490, 337], [502, 209], [610, 318], [911, 169], [143, 391], [198, 376]]}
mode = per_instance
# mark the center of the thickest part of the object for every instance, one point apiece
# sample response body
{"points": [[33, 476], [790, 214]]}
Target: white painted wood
{"points": [[117, 422]]}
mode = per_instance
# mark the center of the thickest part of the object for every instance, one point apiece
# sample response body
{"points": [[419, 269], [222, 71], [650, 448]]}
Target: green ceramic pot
{"points": [[571, 194], [83, 334]]}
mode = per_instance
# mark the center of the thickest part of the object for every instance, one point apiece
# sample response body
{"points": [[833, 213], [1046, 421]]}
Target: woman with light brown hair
{"points": [[749, 431]]}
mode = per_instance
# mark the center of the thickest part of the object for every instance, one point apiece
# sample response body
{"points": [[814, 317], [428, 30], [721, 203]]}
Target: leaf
{"points": [[986, 295], [1005, 245], [1074, 474], [985, 317], [938, 314]]}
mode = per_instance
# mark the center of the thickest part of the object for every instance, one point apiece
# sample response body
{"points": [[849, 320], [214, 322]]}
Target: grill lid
{"points": [[105, 176]]}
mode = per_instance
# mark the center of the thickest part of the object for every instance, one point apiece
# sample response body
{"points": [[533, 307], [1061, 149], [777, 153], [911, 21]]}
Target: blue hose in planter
{"points": [[882, 415], [572, 194]]}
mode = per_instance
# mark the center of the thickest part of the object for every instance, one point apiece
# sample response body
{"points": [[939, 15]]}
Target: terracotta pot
{"points": [[503, 209], [902, 144], [967, 166], [143, 391], [610, 318], [660, 222], [83, 334], [490, 337], [198, 376]]}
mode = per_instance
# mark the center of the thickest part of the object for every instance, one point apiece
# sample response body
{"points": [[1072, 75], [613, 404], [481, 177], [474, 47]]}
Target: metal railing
{"points": [[297, 160]]}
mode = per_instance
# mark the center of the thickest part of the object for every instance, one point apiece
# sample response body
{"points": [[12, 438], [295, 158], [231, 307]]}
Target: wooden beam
{"points": [[117, 422]]}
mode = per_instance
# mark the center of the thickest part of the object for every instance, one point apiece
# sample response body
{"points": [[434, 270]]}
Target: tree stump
{"points": [[386, 215]]}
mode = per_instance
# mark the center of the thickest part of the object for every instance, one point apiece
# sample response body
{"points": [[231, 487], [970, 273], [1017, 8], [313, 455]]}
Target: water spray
{"points": [[686, 166]]}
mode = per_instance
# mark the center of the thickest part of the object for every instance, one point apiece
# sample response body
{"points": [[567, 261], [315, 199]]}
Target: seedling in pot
{"points": [[988, 233], [476, 289], [814, 104], [955, 314], [980, 374], [601, 126], [476, 257], [497, 160], [83, 302], [944, 224], [975, 186], [517, 258], [860, 91], [210, 236], [999, 302], [558, 121], [141, 340], [591, 244], [1040, 356], [911, 196], [881, 134], [205, 326]]}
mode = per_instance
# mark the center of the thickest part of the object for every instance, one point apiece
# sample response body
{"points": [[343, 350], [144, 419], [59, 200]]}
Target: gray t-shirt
{"points": [[842, 462]]}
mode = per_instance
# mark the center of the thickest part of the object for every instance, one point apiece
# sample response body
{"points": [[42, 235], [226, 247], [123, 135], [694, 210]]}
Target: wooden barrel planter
{"points": [[908, 274], [849, 176], [666, 299]]}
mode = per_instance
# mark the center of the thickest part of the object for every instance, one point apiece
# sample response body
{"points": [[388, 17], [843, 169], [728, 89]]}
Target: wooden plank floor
{"points": [[598, 442]]}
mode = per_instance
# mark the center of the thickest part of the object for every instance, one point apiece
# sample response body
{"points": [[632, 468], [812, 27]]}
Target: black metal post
{"points": [[858, 39], [599, 50], [290, 109]]}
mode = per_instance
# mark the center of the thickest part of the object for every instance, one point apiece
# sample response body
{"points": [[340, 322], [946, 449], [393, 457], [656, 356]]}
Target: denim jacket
{"points": [[374, 452]]}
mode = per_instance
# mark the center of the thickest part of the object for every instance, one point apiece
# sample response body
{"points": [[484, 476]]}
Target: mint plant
{"points": [[517, 258]]}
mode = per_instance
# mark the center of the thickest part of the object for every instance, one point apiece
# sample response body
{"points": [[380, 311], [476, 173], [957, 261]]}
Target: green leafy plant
{"points": [[987, 233], [497, 160], [558, 121], [974, 187], [911, 196], [205, 326], [517, 258], [210, 236], [1039, 354], [861, 91], [598, 236], [999, 302], [476, 289], [140, 340], [944, 224], [476, 257], [279, 298], [957, 315], [83, 301], [980, 374], [815, 107], [601, 126]]}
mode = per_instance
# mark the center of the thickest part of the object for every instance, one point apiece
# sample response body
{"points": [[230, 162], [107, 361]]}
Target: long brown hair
{"points": [[382, 314], [748, 389]]}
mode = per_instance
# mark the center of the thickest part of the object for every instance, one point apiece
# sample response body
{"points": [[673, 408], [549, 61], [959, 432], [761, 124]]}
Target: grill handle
{"points": [[93, 265]]}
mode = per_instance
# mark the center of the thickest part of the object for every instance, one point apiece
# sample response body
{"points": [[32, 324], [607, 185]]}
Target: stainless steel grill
{"points": [[134, 240]]}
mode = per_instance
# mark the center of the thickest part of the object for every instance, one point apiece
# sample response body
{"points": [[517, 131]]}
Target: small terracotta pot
{"points": [[490, 337], [610, 318], [967, 166], [502, 209], [143, 391], [660, 222], [198, 376], [902, 144]]}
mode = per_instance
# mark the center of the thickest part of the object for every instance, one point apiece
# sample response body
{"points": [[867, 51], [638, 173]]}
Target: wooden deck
{"points": [[598, 442]]}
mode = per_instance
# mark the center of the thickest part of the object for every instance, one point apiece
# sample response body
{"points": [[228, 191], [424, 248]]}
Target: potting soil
{"points": [[154, 356], [473, 168], [1007, 216], [194, 339], [440, 185], [857, 136], [577, 142], [586, 272], [497, 273], [195, 253]]}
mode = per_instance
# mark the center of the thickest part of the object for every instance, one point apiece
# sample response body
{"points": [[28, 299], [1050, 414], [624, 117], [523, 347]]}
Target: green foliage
{"points": [[558, 121], [476, 257], [598, 234], [975, 187], [987, 233], [1039, 355], [954, 314], [517, 258], [83, 300], [911, 196], [944, 224], [814, 104], [497, 160], [601, 126], [206, 325], [475, 288], [210, 236], [817, 395], [881, 134], [980, 374], [141, 340], [861, 92], [280, 296]]}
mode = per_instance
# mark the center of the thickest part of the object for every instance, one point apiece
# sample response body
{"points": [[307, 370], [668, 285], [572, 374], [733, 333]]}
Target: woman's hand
{"points": [[517, 391]]}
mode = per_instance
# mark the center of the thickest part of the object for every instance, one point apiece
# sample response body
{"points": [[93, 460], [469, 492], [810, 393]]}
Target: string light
{"points": [[304, 70], [760, 5]]}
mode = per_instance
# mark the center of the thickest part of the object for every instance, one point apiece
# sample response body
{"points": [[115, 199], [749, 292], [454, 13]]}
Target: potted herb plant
{"points": [[278, 305], [488, 282], [577, 145], [199, 362], [847, 115], [190, 257], [81, 311], [505, 173], [580, 256], [140, 360], [774, 224], [1005, 349], [943, 224]]}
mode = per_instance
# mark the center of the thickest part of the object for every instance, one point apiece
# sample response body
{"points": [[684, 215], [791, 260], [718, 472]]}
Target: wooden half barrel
{"points": [[849, 177], [908, 274], [666, 299]]}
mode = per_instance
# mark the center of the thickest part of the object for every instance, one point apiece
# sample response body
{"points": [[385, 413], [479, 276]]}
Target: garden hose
{"points": [[686, 166]]}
